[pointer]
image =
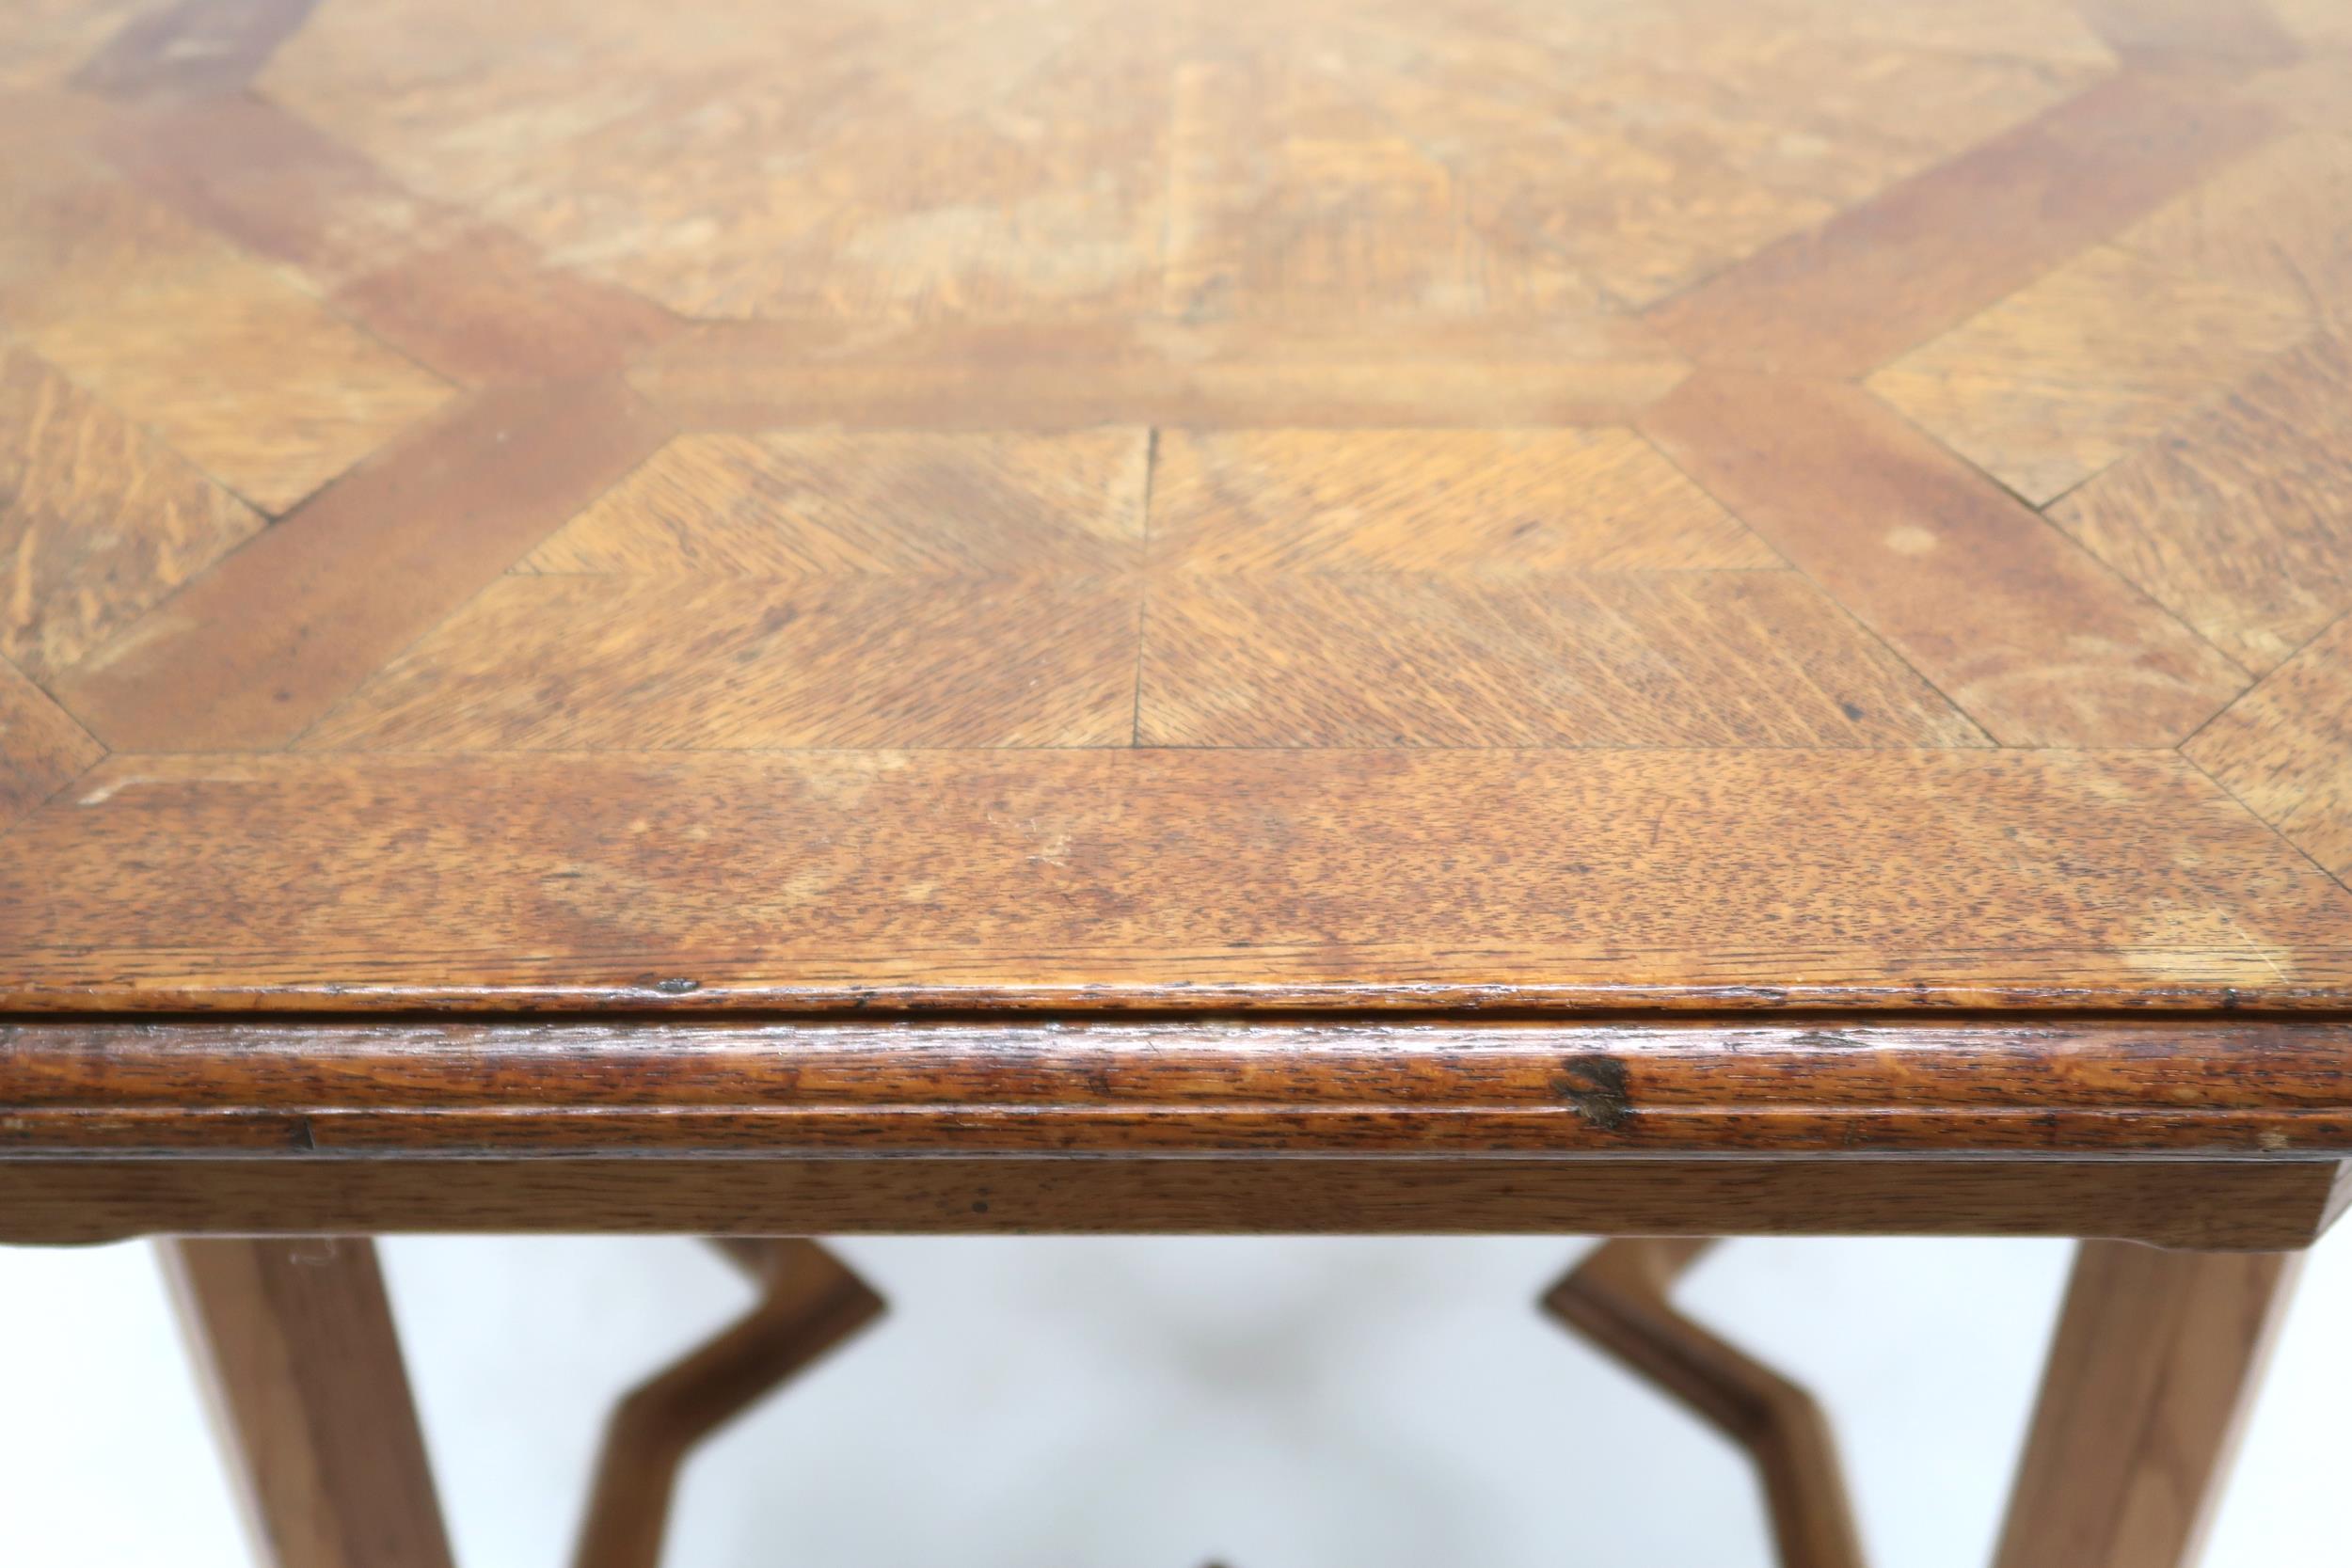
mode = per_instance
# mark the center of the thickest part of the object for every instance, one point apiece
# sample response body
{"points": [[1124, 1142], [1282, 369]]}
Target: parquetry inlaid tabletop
{"points": [[606, 506]]}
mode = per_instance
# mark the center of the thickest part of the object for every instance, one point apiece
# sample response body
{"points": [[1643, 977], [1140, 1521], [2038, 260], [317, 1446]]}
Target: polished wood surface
{"points": [[1289, 1086], [1326, 506], [1681, 619], [2257, 1204], [2151, 1377], [296, 1342]]}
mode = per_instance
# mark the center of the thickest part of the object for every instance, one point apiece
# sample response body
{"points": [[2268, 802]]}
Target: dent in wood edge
{"points": [[1327, 1089]]}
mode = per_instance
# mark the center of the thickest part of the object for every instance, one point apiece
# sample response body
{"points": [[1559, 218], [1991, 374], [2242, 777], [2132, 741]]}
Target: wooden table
{"points": [[1675, 621]]}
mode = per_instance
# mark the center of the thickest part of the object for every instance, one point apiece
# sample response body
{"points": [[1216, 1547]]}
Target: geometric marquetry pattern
{"points": [[432, 378]]}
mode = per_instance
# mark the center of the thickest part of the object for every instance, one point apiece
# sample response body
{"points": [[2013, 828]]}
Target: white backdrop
{"points": [[1061, 1403]]}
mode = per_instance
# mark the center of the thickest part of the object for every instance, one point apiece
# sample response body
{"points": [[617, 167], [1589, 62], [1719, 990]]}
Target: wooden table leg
{"points": [[809, 1302], [1617, 1298], [297, 1340], [2153, 1370]]}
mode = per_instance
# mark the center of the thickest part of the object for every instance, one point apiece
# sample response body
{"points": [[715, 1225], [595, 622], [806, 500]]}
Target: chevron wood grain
{"points": [[98, 519], [41, 748], [817, 504], [1885, 274], [239, 369], [2086, 366], [2273, 222], [1474, 588], [1284, 503], [251, 654], [2238, 520], [1144, 513], [2285, 749], [2034, 639], [1621, 658]]}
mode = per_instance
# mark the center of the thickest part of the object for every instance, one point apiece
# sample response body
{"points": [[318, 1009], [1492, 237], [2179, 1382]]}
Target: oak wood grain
{"points": [[2149, 1379], [1256, 502], [2085, 366], [2285, 749], [1622, 658], [1885, 275], [2239, 519], [251, 654], [2256, 1205], [1224, 1087], [1202, 515], [482, 308], [98, 519], [303, 1362], [763, 620], [812, 505], [226, 358], [2273, 222], [1195, 879], [2032, 639], [41, 748], [752, 664]]}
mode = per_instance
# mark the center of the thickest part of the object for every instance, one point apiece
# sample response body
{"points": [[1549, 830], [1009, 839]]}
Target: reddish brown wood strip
{"points": [[482, 308], [1079, 374], [2182, 1203], [1611, 1068], [470, 299], [275, 184], [193, 48], [257, 649], [2285, 749], [1112, 878], [298, 1342], [2152, 1375], [1889, 274], [2032, 638], [1560, 1133], [42, 748], [1280, 1087]]}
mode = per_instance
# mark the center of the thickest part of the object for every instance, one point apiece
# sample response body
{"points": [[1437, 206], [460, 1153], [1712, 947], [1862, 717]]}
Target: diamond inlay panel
{"points": [[2084, 367], [1626, 659], [1240, 487]]}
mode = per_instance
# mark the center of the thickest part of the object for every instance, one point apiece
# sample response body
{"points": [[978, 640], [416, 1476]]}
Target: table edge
{"points": [[1238, 1086]]}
